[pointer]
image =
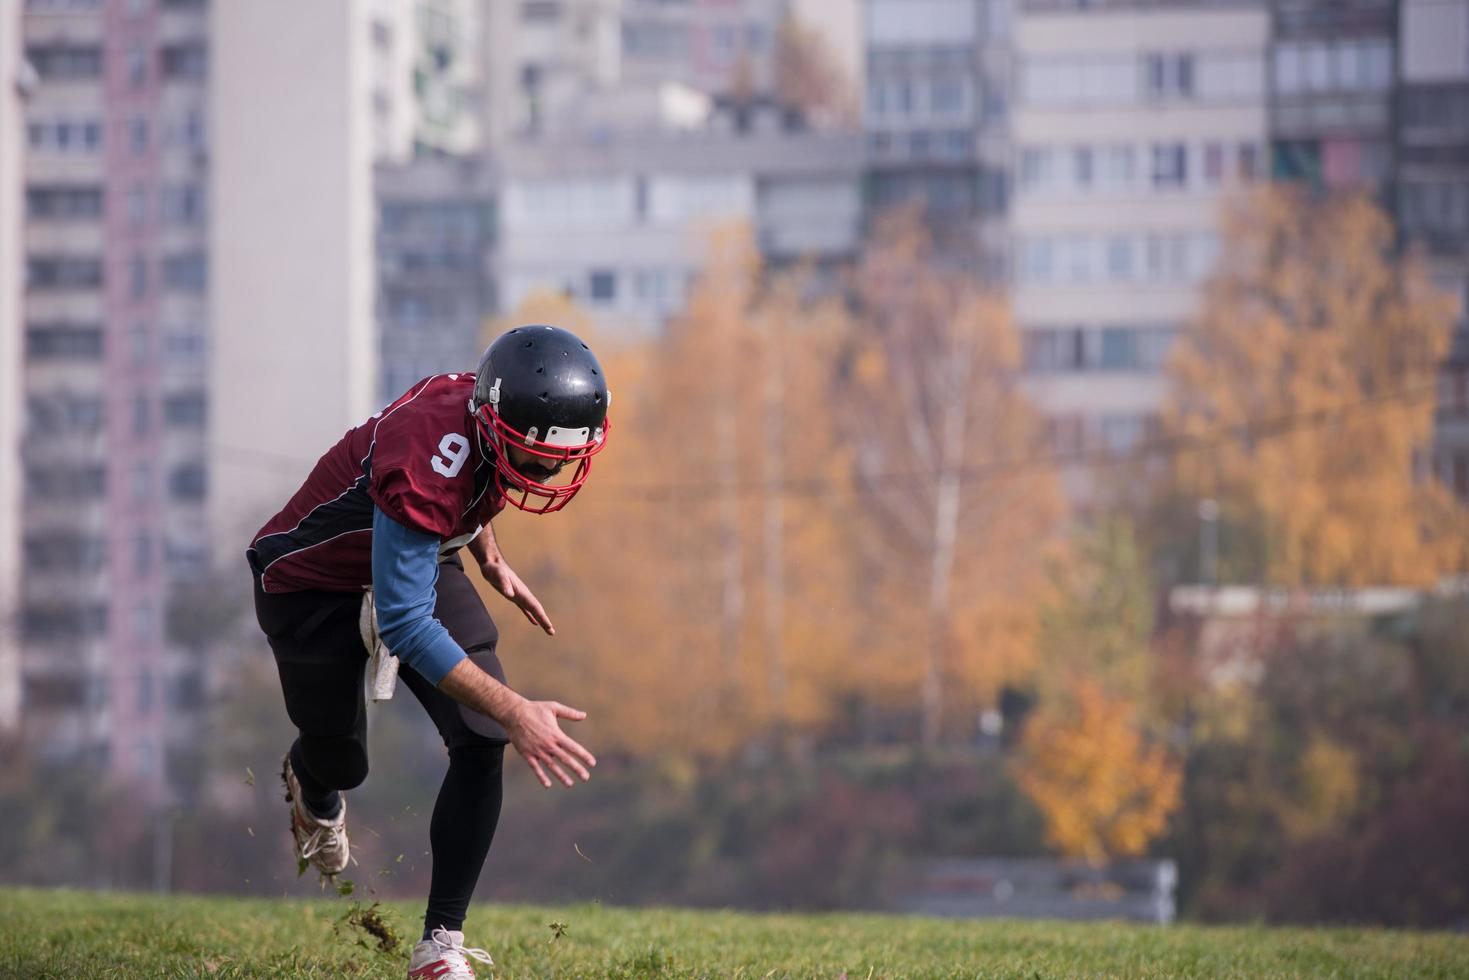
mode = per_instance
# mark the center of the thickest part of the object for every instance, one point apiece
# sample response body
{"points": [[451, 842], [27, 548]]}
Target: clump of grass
{"points": [[370, 920]]}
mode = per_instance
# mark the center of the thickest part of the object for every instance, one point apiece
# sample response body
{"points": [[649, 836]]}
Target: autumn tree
{"points": [[1304, 389], [958, 511], [700, 581], [1097, 624], [1103, 790]]}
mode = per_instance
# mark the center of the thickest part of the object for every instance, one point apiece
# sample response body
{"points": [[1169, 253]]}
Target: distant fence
{"points": [[1043, 888]]}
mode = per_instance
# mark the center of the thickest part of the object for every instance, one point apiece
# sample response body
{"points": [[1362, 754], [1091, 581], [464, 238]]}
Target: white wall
{"points": [[1435, 40], [11, 351], [294, 358]]}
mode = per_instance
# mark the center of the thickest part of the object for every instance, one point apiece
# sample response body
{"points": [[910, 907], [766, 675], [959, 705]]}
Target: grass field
{"points": [[85, 935]]}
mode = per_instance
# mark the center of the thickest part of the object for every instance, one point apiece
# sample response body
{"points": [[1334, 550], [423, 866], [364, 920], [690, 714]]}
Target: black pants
{"points": [[321, 659]]}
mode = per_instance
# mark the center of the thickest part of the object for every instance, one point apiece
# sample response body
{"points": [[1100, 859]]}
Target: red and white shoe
{"points": [[442, 957]]}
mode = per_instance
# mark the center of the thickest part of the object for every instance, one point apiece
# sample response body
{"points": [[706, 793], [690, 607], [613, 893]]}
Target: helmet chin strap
{"points": [[488, 450]]}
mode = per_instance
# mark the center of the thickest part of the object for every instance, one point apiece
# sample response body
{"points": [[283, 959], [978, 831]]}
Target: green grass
{"points": [[85, 935]]}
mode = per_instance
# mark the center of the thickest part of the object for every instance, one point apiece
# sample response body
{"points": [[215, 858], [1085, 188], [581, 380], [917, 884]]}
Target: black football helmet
{"points": [[541, 389]]}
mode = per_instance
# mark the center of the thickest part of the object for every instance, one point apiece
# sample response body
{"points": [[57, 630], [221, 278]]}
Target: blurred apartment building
{"points": [[610, 147], [1432, 199], [13, 86], [1132, 122], [435, 251], [303, 119], [618, 222], [544, 56], [163, 140], [937, 120], [114, 320]]}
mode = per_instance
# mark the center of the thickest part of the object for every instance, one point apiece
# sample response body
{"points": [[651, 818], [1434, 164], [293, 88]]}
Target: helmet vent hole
{"points": [[541, 370], [594, 370], [585, 347], [529, 343], [545, 396]]}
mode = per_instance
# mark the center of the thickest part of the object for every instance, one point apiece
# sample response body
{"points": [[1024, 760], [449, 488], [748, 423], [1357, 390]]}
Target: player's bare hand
{"points": [[504, 581], [536, 734]]}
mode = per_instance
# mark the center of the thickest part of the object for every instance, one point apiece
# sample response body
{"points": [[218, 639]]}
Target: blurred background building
{"points": [[115, 338], [12, 133], [239, 240], [1432, 200], [1132, 123], [435, 277]]}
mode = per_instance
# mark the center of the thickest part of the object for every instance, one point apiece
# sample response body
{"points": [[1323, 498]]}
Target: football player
{"points": [[367, 555]]}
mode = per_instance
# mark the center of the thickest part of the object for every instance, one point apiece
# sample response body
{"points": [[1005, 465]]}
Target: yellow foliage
{"points": [[1102, 790], [1312, 323], [1327, 789], [719, 582]]}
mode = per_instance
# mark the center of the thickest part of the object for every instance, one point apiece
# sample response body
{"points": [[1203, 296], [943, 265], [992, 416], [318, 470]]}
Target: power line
{"points": [[1165, 447]]}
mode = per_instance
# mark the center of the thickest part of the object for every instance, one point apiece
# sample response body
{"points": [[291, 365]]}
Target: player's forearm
{"points": [[472, 687], [484, 547]]}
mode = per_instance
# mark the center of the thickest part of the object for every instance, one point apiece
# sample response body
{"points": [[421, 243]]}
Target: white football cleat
{"points": [[442, 957], [321, 843]]}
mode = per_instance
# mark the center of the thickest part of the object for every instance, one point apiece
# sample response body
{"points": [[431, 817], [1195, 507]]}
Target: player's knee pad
{"points": [[339, 761]]}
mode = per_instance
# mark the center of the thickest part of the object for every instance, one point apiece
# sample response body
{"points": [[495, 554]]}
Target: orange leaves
{"points": [[726, 578], [1313, 323], [1102, 790]]}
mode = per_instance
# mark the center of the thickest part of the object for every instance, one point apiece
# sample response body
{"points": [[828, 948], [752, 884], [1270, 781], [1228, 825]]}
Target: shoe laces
{"points": [[322, 839], [326, 837], [454, 951]]}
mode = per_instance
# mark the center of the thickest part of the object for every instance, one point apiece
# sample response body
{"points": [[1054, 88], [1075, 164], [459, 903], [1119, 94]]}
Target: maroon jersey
{"points": [[418, 460]]}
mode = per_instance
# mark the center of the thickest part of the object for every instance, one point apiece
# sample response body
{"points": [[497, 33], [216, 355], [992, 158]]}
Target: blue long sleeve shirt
{"points": [[405, 569]]}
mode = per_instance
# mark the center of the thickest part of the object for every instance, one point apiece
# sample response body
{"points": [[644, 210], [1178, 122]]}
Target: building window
{"points": [[138, 135], [1115, 169], [46, 272], [1345, 65], [1248, 162], [1170, 165], [137, 206], [1081, 167], [137, 66], [65, 62], [186, 273], [540, 11], [185, 410], [1435, 207], [61, 623], [1213, 167], [187, 482], [603, 286], [142, 481], [63, 202], [138, 277], [1120, 266], [142, 416], [66, 482], [187, 62], [143, 623], [190, 129], [144, 706], [1168, 76], [946, 96], [183, 204], [142, 553], [64, 342]]}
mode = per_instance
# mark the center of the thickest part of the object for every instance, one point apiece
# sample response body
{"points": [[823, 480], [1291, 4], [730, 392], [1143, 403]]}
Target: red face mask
{"points": [[558, 449]]}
